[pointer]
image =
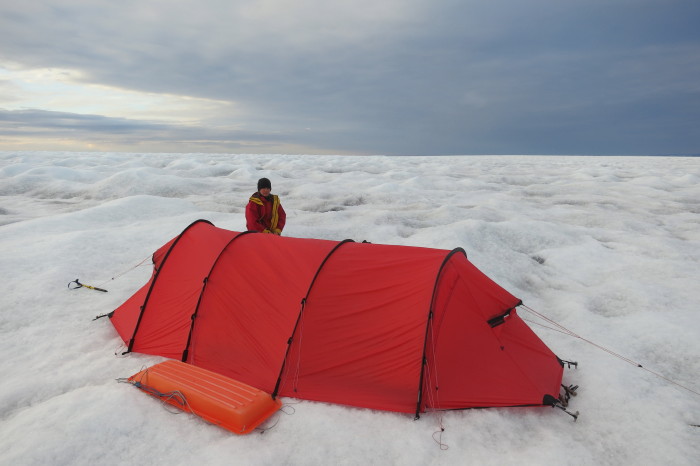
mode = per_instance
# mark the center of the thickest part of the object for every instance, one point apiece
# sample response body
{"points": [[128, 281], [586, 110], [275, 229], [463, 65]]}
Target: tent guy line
{"points": [[561, 329]]}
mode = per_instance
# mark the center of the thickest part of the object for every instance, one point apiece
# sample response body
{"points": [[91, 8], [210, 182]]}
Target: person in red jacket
{"points": [[264, 212]]}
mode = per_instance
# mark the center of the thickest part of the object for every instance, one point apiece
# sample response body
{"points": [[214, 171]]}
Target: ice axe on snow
{"points": [[76, 284]]}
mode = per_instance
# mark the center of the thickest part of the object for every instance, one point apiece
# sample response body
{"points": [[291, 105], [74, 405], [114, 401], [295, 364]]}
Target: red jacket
{"points": [[265, 214]]}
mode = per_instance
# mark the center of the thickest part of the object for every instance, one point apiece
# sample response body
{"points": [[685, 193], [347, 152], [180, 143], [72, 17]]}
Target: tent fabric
{"points": [[387, 327]]}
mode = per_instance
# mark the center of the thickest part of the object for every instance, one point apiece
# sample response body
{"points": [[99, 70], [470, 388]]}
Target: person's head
{"points": [[264, 186]]}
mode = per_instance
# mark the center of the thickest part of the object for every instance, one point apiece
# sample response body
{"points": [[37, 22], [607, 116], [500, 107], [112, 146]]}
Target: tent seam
{"points": [[301, 311], [185, 352]]}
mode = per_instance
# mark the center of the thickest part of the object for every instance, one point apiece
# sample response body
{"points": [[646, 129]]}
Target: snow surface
{"points": [[607, 246]]}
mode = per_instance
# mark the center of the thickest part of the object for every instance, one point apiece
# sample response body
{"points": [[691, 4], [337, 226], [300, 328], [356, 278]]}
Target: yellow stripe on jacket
{"points": [[275, 213]]}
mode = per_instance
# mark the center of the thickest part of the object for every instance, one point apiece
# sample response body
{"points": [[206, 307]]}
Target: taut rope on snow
{"points": [[560, 328], [164, 397], [76, 284], [127, 270]]}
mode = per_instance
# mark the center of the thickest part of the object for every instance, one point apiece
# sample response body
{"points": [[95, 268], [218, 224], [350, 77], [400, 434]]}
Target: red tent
{"points": [[394, 328]]}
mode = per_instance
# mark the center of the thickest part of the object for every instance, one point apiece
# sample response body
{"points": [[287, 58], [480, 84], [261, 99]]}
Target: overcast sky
{"points": [[397, 77]]}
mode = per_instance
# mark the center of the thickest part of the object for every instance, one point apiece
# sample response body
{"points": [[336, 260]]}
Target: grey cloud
{"points": [[27, 120], [99, 130], [450, 76]]}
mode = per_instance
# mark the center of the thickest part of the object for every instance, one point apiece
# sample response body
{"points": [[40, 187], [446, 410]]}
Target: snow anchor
{"points": [[574, 415], [569, 364], [568, 393], [76, 284]]}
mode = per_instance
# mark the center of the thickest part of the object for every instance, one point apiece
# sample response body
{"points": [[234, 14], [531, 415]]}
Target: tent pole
{"points": [[155, 279], [428, 322]]}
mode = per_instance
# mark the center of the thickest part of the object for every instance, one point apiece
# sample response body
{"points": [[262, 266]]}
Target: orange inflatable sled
{"points": [[220, 400]]}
